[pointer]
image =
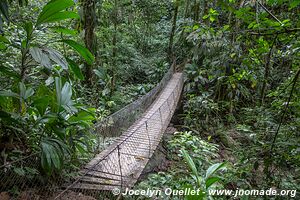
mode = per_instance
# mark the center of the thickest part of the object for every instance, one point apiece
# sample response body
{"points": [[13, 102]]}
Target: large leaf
{"points": [[53, 153], [58, 86], [57, 57], [61, 16], [40, 57], [25, 93], [63, 94], [192, 166], [43, 56], [213, 169], [82, 116], [75, 69], [189, 161], [84, 52], [4, 39], [211, 180], [28, 27], [41, 104], [52, 9], [7, 93], [66, 94]]}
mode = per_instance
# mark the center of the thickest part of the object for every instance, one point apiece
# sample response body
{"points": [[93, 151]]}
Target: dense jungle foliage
{"points": [[65, 65]]}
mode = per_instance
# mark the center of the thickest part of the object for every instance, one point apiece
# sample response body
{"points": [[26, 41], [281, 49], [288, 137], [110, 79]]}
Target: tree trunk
{"points": [[89, 24], [186, 15], [170, 50]]}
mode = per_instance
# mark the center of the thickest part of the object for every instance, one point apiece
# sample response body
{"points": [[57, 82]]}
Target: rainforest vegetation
{"points": [[67, 64]]}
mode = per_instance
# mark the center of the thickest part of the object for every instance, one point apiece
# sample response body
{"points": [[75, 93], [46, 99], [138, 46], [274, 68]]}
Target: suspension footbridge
{"points": [[137, 128], [122, 162]]}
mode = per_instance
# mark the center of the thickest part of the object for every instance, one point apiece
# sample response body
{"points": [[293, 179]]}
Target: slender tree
{"points": [[89, 23], [170, 50]]}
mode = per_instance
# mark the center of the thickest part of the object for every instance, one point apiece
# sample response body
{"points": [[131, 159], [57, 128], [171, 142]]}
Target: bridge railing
{"points": [[115, 124]]}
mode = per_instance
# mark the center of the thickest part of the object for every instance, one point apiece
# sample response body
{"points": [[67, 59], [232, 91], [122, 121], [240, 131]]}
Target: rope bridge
{"points": [[138, 129]]}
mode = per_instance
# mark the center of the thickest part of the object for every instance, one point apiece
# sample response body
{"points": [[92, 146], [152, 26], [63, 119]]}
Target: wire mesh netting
{"points": [[137, 134]]}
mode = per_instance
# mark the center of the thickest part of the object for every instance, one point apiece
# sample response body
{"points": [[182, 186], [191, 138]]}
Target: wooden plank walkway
{"points": [[121, 164]]}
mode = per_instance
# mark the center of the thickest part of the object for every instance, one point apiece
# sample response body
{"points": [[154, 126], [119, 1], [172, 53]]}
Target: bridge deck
{"points": [[121, 164]]}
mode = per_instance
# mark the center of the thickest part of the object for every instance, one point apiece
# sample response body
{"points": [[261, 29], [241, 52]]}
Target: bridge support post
{"points": [[120, 167], [168, 105], [160, 115], [149, 140], [173, 96]]}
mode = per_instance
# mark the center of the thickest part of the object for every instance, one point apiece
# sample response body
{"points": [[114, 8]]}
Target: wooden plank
{"points": [[87, 186], [93, 180]]}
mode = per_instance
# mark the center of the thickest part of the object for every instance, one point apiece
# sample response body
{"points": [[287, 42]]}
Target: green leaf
{"points": [[29, 92], [41, 104], [58, 90], [294, 4], [4, 39], [19, 171], [7, 93], [51, 9], [22, 89], [84, 52], [2, 46], [53, 153], [213, 169], [59, 131], [40, 57], [25, 93], [82, 116], [211, 180], [66, 94], [205, 17], [61, 16], [80, 148], [189, 161], [28, 27], [75, 69], [57, 57], [192, 166]]}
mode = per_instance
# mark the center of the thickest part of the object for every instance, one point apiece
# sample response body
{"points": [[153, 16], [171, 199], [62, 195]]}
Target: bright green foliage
{"points": [[53, 12], [38, 107], [242, 86], [84, 52], [193, 167], [46, 108], [203, 182]]}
